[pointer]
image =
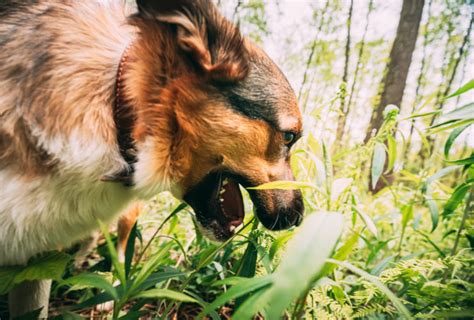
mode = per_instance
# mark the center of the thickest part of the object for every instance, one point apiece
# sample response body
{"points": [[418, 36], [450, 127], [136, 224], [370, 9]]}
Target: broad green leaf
{"points": [[48, 266], [456, 199], [468, 86], [284, 185], [248, 262], [303, 260], [378, 162], [251, 306], [92, 280], [166, 294], [434, 212], [130, 250], [452, 137], [375, 281], [339, 186], [7, 278], [392, 152], [407, 214]]}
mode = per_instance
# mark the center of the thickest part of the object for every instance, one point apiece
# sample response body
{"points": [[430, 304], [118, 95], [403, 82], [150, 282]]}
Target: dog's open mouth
{"points": [[218, 204]]}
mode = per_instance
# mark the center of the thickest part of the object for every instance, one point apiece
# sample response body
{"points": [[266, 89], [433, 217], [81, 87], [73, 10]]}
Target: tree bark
{"points": [[420, 81], [394, 81]]}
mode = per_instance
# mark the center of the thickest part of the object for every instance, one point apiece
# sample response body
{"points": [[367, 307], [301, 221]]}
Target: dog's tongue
{"points": [[232, 203]]}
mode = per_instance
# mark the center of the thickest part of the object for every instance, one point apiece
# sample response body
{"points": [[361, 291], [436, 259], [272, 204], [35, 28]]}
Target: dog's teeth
{"points": [[225, 182], [232, 228], [222, 191], [221, 200]]}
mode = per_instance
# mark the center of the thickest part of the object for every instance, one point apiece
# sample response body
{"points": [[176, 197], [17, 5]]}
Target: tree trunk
{"points": [[343, 108], [394, 81], [420, 81]]}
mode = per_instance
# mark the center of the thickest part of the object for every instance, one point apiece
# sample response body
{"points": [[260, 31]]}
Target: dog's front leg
{"points": [[29, 296]]}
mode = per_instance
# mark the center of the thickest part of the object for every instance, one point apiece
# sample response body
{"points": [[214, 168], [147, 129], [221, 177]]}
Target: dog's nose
{"points": [[285, 215]]}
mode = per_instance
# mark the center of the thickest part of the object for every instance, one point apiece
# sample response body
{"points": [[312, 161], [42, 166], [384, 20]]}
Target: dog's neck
{"points": [[124, 118]]}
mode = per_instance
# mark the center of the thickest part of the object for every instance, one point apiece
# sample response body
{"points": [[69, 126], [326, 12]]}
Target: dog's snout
{"points": [[285, 214]]}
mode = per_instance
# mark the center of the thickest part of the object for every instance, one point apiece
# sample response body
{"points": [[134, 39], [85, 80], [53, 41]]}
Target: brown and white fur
{"points": [[58, 137]]}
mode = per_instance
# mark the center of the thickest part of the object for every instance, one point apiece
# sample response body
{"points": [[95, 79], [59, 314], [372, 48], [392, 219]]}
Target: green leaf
{"points": [[303, 260], [452, 137], [7, 278], [149, 267], [158, 277], [243, 287], [468, 86], [464, 162], [130, 250], [407, 214], [434, 212], [284, 185], [341, 254], [392, 152], [279, 243], [92, 280], [251, 306], [465, 112], [118, 267], [368, 221], [166, 294], [378, 162], [47, 266], [438, 175], [375, 281], [456, 199], [451, 124]]}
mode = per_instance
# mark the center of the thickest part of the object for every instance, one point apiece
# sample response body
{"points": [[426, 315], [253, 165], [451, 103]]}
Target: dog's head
{"points": [[234, 118]]}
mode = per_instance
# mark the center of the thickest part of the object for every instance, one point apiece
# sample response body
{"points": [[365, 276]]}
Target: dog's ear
{"points": [[212, 42]]}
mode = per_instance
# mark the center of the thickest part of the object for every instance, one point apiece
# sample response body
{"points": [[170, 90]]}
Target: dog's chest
{"points": [[44, 214]]}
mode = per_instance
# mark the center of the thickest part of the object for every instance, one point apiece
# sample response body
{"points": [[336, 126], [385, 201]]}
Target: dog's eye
{"points": [[289, 138]]}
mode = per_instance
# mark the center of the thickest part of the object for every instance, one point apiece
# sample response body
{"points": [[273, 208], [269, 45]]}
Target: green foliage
{"points": [[47, 266]]}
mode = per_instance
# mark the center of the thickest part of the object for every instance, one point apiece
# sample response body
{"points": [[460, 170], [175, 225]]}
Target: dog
{"points": [[101, 105]]}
